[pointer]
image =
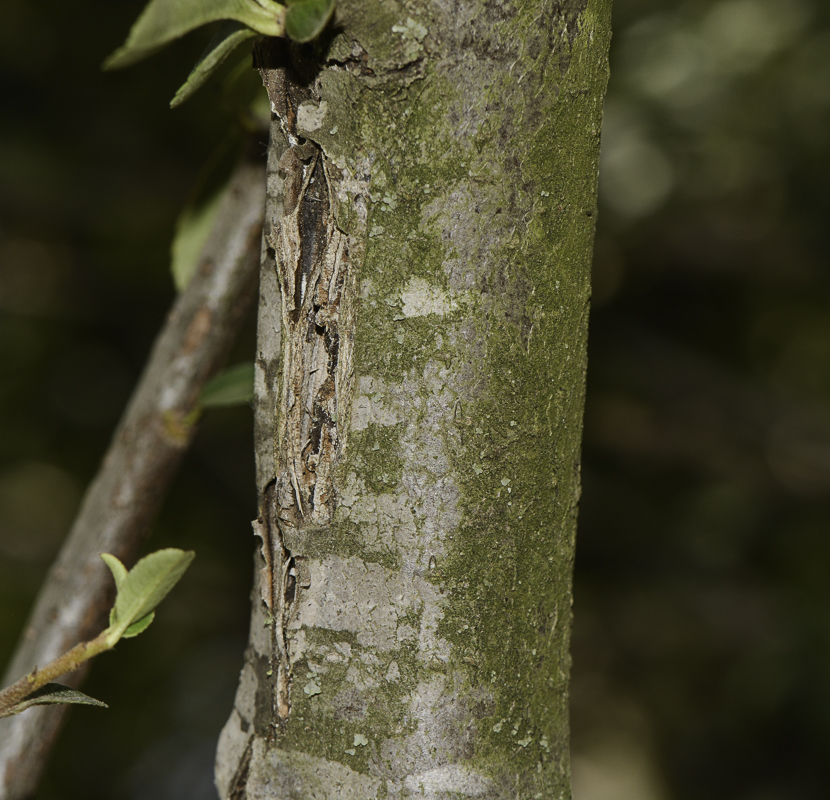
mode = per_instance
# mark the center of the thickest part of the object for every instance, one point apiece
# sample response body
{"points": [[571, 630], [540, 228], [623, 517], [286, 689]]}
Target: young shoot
{"points": [[138, 592]]}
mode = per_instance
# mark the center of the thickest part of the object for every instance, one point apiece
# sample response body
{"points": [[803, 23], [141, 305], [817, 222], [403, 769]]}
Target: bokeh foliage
{"points": [[702, 633], [94, 169]]}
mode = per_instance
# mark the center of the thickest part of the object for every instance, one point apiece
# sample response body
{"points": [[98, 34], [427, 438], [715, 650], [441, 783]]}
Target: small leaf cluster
{"points": [[164, 21], [139, 591]]}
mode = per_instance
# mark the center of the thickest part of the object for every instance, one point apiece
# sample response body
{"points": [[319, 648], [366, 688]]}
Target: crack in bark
{"points": [[312, 262], [277, 587], [312, 258], [356, 62], [239, 786], [283, 596]]}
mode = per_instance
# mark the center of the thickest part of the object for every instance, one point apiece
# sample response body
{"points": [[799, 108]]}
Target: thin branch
{"points": [[38, 678], [145, 451]]}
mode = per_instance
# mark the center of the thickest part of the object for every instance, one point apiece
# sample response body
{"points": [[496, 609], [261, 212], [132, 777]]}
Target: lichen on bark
{"points": [[425, 633]]}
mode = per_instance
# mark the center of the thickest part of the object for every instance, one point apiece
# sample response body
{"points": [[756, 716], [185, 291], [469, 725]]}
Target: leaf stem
{"points": [[37, 678]]}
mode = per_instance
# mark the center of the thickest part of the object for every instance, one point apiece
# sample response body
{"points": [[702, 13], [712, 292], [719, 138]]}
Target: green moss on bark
{"points": [[514, 553], [477, 131]]}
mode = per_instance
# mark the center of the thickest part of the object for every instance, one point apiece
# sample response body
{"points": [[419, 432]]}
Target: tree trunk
{"points": [[423, 320]]}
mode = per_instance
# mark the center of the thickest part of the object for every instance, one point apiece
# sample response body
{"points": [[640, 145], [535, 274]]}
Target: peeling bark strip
{"points": [[317, 287], [312, 262], [440, 164]]}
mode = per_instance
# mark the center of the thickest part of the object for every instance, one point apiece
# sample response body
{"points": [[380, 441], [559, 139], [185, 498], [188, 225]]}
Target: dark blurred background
{"points": [[702, 623], [702, 602], [94, 169]]}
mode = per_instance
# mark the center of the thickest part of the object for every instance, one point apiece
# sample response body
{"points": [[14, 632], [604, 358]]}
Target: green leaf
{"points": [[232, 387], [227, 39], [145, 586], [139, 627], [53, 693], [136, 627], [192, 230], [163, 21], [199, 214], [118, 570], [306, 18], [244, 97]]}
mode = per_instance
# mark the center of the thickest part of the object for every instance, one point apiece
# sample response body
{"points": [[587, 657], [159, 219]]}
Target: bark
{"points": [[423, 319], [147, 447]]}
